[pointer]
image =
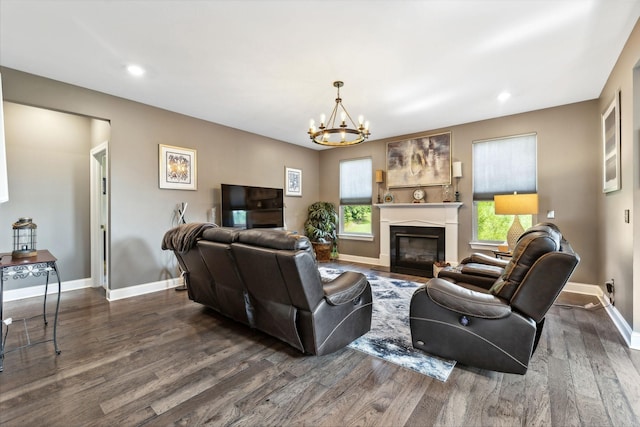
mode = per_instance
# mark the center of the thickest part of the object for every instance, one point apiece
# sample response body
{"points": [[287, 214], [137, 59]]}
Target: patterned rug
{"points": [[390, 335]]}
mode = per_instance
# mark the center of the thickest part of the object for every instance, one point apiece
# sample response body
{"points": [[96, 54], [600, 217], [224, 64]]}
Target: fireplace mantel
{"points": [[443, 215]]}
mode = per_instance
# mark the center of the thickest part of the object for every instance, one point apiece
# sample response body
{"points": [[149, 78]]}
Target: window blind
{"points": [[504, 165], [355, 182]]}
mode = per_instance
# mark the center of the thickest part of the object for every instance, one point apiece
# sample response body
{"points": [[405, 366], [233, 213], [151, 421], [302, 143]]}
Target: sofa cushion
{"points": [[530, 247], [274, 239], [221, 235]]}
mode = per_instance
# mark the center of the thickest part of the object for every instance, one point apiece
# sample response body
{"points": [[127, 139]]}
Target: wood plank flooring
{"points": [[162, 360]]}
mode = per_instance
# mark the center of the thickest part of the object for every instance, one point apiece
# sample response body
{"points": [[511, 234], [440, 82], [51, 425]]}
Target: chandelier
{"points": [[346, 133]]}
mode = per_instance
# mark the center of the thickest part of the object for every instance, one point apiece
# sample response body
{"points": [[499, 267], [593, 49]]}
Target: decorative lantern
{"points": [[24, 238]]}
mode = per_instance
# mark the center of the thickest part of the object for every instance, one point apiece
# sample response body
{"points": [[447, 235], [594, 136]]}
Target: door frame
{"points": [[100, 237]]}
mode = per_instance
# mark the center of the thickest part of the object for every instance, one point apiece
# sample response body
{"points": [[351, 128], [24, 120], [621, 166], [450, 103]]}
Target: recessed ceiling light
{"points": [[504, 96], [135, 70]]}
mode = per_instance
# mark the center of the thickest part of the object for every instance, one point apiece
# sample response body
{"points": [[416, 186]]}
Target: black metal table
{"points": [[41, 264]]}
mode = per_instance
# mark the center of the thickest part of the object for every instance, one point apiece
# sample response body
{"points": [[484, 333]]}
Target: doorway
{"points": [[100, 216]]}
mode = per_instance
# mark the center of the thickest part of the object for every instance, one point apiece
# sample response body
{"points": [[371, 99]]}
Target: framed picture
{"points": [[293, 182], [611, 146], [178, 168], [421, 161]]}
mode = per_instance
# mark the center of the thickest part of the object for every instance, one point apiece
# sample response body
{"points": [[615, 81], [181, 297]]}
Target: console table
{"points": [[20, 268]]}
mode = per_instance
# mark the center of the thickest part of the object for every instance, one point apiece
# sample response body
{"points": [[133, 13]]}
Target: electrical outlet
{"points": [[551, 214], [611, 290]]}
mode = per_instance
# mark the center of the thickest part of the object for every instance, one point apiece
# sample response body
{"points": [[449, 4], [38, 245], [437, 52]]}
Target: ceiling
{"points": [[267, 67]]}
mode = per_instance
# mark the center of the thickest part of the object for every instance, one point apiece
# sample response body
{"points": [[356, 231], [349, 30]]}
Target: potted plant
{"points": [[320, 228]]}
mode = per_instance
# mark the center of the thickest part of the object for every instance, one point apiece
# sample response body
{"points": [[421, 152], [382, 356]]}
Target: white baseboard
{"points": [[628, 335], [38, 291], [145, 288], [359, 259]]}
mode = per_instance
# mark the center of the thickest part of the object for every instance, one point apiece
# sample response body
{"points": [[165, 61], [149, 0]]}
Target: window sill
{"points": [[361, 237], [486, 246]]}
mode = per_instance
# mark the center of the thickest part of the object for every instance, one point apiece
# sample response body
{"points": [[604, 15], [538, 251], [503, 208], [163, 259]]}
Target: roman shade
{"points": [[355, 182], [504, 166]]}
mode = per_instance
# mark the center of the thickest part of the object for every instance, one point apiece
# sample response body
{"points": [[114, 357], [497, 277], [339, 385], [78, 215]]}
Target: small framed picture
{"points": [[177, 168], [293, 182]]}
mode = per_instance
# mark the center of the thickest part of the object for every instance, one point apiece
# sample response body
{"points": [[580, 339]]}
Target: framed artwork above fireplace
{"points": [[419, 161]]}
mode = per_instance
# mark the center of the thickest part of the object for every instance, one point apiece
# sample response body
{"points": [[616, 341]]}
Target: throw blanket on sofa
{"points": [[184, 237]]}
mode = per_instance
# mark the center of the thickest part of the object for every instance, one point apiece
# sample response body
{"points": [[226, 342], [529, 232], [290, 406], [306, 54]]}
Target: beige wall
{"points": [[568, 155], [46, 160], [620, 241], [140, 211]]}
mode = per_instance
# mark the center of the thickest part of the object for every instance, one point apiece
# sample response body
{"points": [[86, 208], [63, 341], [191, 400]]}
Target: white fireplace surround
{"points": [[443, 215]]}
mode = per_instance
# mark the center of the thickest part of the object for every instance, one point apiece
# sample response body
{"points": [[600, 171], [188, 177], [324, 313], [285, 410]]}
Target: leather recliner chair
{"points": [[482, 270], [496, 329]]}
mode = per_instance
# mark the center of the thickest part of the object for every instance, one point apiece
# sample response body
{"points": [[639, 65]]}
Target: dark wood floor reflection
{"points": [[160, 359]]}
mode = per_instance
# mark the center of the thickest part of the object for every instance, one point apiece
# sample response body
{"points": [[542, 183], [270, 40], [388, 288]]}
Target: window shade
{"points": [[505, 165], [355, 182]]}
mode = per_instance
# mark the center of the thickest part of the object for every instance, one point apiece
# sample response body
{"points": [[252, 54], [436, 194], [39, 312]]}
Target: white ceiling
{"points": [[267, 66]]}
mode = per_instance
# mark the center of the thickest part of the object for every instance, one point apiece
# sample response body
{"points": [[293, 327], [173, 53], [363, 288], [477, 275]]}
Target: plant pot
{"points": [[323, 251]]}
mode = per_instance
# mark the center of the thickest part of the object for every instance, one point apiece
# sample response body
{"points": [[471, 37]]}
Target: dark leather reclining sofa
{"points": [[269, 280]]}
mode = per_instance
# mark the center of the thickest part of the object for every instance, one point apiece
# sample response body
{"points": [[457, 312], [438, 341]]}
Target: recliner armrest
{"points": [[484, 259], [465, 301], [345, 288]]}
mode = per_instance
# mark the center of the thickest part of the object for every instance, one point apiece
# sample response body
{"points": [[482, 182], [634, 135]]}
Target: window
{"points": [[355, 197], [501, 166]]}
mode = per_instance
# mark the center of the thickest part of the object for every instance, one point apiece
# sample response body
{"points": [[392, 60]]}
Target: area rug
{"points": [[390, 334]]}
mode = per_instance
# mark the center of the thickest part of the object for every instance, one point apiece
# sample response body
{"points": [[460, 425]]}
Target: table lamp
{"points": [[515, 204], [379, 180], [457, 174]]}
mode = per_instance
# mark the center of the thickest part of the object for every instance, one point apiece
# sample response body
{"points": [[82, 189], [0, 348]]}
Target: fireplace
{"points": [[414, 250]]}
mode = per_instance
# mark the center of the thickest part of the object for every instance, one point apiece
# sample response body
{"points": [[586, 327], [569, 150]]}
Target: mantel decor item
{"points": [[345, 133], [177, 168], [515, 204], [24, 238], [611, 146], [293, 182], [379, 180], [457, 174], [420, 161]]}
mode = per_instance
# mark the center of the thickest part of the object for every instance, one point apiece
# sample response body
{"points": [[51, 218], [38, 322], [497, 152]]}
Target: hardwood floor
{"points": [[160, 359]]}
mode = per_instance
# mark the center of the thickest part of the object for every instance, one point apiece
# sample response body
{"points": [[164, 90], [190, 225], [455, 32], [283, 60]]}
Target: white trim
{"points": [[486, 246], [359, 259], [145, 288], [584, 288], [362, 237], [631, 338], [38, 290]]}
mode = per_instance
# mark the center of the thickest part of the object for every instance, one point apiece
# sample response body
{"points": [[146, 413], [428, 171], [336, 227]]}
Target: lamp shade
{"points": [[457, 169], [516, 204], [379, 176]]}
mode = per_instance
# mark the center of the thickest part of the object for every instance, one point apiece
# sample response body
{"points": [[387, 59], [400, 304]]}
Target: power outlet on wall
{"points": [[611, 290]]}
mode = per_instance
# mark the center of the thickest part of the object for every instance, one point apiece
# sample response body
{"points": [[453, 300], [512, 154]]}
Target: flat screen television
{"points": [[252, 207]]}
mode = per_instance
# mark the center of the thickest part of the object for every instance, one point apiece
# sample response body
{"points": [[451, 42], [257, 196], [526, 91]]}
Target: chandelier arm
{"points": [[331, 122], [349, 116]]}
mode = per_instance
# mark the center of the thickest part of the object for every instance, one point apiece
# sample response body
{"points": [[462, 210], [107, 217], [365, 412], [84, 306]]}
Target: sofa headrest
{"points": [[221, 235], [545, 227], [530, 247], [274, 239]]}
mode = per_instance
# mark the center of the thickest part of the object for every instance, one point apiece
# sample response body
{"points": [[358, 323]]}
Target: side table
{"points": [[502, 254], [20, 268]]}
